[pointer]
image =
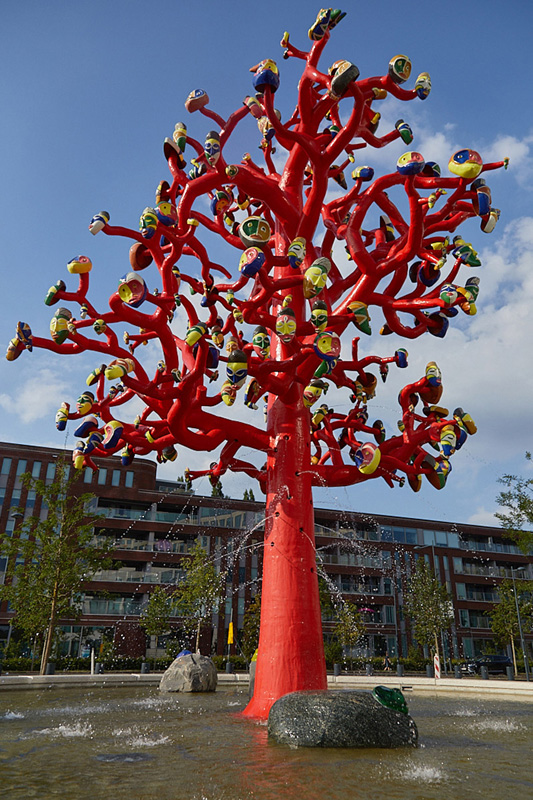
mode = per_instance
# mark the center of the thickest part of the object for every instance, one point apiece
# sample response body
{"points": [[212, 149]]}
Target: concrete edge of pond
{"points": [[473, 687]]}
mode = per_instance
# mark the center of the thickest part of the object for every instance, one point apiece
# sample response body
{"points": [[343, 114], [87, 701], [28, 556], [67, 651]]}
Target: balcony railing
{"points": [[132, 576]]}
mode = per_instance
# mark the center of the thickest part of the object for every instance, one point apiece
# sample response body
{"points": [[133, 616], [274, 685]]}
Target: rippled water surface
{"points": [[135, 744]]}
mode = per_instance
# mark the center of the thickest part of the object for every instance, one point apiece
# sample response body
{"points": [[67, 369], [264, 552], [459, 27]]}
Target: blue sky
{"points": [[91, 90]]}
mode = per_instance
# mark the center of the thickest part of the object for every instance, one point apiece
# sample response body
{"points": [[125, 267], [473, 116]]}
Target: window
{"points": [[464, 617], [21, 466], [460, 589], [115, 478], [128, 482], [6, 466], [102, 476], [50, 472], [36, 469], [88, 476]]}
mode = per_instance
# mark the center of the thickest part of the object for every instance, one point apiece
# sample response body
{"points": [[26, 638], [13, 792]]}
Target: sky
{"points": [[89, 93]]}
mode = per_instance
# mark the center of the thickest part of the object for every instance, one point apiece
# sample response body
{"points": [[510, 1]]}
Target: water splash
{"points": [[498, 726], [423, 773], [12, 715], [80, 730]]}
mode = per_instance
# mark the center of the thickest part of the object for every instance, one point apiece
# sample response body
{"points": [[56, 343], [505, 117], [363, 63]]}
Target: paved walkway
{"points": [[469, 687]]}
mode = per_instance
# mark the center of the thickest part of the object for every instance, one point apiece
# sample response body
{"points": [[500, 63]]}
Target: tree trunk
{"points": [[50, 632], [197, 647], [291, 649]]}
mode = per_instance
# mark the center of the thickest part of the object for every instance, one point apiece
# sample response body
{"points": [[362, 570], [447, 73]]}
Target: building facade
{"points": [[153, 524]]}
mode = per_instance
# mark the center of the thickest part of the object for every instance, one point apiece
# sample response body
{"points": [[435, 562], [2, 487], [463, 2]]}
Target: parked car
{"points": [[494, 664]]}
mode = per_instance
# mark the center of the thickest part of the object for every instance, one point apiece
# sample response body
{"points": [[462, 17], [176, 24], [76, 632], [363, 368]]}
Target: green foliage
{"points": [[333, 653], [504, 616], [198, 595], [350, 626], [250, 628], [49, 559], [517, 499], [239, 662], [155, 618], [248, 495], [428, 604]]}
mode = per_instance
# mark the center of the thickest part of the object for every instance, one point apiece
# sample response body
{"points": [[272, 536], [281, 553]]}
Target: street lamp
{"points": [[522, 642]]}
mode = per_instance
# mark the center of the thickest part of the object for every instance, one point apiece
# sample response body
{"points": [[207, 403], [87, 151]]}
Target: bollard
{"points": [[510, 673], [457, 671], [229, 667], [336, 669], [369, 669], [400, 670], [484, 672], [145, 668], [50, 668], [430, 672], [98, 668]]}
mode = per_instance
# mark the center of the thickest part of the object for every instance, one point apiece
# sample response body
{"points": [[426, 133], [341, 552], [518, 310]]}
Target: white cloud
{"points": [[37, 397]]}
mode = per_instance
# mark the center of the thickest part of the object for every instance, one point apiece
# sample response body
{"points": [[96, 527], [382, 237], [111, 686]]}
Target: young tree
{"points": [[504, 620], [250, 627], [517, 499], [155, 617], [349, 627], [50, 558], [199, 594], [429, 605], [304, 259]]}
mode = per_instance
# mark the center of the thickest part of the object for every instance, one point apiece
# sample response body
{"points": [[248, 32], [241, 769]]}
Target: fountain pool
{"points": [[137, 744]]}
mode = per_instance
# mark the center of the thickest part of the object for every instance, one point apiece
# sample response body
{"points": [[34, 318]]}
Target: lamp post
{"points": [[522, 642]]}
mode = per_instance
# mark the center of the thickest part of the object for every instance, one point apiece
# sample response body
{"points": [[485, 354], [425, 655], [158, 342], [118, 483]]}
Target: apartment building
{"points": [[153, 524]]}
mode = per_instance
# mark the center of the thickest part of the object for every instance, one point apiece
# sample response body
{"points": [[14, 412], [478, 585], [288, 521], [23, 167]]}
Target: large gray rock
{"points": [[190, 673], [342, 719]]}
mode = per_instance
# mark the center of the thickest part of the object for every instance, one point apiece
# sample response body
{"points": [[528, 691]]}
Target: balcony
{"points": [[121, 606], [123, 575]]}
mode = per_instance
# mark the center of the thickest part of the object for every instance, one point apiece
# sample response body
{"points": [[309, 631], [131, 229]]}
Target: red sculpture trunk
{"points": [[291, 649]]}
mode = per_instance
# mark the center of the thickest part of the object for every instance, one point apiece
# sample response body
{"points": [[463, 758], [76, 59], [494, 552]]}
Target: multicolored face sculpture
{"points": [[197, 169], [482, 198], [78, 456], [127, 455], [448, 294], [254, 107], [84, 403], [433, 374], [371, 457], [195, 333], [361, 316], [254, 232], [228, 392], [315, 277], [319, 315], [237, 368], [327, 346], [466, 163], [320, 26], [212, 147], [266, 128], [98, 222], [166, 213], [261, 342], [80, 265], [148, 222], [266, 74], [363, 174], [132, 289], [180, 135], [296, 252], [140, 256], [222, 199], [196, 99], [342, 74], [59, 329], [99, 326], [448, 440], [286, 325], [423, 85], [252, 394], [400, 68], [411, 163], [118, 368], [62, 416], [51, 295], [87, 426], [313, 392], [231, 345], [112, 434], [251, 261]]}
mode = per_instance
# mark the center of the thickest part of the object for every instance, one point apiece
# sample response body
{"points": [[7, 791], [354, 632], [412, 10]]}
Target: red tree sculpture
{"points": [[295, 299]]}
